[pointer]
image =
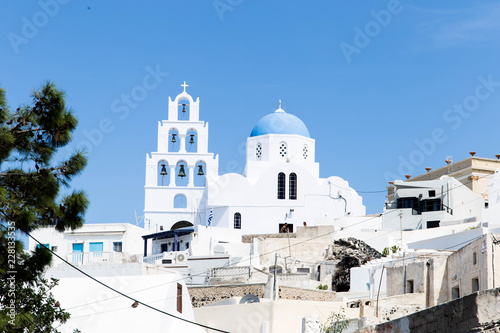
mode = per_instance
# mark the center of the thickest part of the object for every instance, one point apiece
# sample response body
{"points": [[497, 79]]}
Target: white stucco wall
{"points": [[104, 312]]}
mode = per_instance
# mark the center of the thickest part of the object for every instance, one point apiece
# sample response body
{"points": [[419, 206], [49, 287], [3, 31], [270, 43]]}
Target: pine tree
{"points": [[30, 198]]}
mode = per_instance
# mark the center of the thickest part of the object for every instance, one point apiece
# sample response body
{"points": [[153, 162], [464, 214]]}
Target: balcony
{"points": [[95, 258]]}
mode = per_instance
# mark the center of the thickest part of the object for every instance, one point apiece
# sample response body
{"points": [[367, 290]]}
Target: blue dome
{"points": [[280, 122]]}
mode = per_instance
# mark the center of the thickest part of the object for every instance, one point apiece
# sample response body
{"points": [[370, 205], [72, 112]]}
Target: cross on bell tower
{"points": [[184, 86]]}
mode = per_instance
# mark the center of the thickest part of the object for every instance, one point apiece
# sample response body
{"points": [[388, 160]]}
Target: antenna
{"points": [[138, 219]]}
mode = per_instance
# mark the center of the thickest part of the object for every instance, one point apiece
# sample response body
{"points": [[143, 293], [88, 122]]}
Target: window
{"points": [[117, 246], [281, 185], [77, 247], [475, 285], [179, 298], [187, 245], [53, 248], [303, 270], [164, 247], [431, 205], [95, 247], [455, 292], [258, 152], [293, 186], [283, 150], [474, 258], [180, 201], [286, 228], [432, 224], [409, 287], [237, 221], [42, 246], [407, 203], [432, 193]]}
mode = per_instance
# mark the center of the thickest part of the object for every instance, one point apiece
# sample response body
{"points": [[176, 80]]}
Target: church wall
{"points": [[261, 211]]}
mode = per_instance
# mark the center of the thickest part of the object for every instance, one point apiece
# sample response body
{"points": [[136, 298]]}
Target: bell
{"points": [[173, 138], [200, 170], [184, 108], [163, 171], [182, 173], [191, 141]]}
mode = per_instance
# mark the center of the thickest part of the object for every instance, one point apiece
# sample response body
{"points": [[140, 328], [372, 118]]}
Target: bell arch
{"points": [[183, 109], [174, 144], [162, 176], [181, 173], [200, 173], [191, 141]]}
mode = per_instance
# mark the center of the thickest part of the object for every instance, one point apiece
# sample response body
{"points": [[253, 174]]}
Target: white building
{"points": [[280, 185], [95, 308], [431, 203], [93, 244]]}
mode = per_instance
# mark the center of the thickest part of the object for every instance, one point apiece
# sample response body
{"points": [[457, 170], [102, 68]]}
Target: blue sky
{"points": [[386, 88]]}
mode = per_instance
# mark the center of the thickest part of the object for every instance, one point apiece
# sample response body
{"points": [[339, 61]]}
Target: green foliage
{"points": [[322, 287], [30, 182], [336, 323], [387, 250]]}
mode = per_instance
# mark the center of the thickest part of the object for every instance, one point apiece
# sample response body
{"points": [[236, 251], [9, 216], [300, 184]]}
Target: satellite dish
{"points": [[249, 298]]}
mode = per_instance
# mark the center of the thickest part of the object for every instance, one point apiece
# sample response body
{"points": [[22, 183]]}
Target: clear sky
{"points": [[386, 88]]}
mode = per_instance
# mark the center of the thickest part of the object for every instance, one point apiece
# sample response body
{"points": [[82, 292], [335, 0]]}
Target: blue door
{"points": [[77, 256]]}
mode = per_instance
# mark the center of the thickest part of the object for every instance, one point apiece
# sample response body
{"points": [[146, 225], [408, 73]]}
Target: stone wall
{"points": [[473, 313], [306, 295], [201, 296], [250, 238]]}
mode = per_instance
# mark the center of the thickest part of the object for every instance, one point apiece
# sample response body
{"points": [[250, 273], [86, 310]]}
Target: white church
{"points": [[279, 190]]}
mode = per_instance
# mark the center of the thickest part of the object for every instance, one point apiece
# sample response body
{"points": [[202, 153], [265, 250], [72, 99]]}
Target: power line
{"points": [[123, 294], [298, 243]]}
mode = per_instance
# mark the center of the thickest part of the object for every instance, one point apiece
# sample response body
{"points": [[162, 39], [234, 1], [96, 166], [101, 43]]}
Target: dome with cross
{"points": [[280, 122]]}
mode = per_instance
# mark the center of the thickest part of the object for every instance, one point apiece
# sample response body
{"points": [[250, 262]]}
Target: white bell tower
{"points": [[176, 173]]}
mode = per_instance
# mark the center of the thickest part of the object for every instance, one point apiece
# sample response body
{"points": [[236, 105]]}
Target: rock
{"points": [[348, 253]]}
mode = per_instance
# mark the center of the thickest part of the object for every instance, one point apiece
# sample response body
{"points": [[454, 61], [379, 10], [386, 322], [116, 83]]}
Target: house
{"points": [[431, 204], [93, 244]]}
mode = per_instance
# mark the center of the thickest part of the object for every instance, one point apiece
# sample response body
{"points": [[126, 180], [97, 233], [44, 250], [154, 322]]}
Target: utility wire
{"points": [[123, 294], [298, 243]]}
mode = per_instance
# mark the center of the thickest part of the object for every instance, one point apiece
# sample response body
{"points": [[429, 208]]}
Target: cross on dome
{"points": [[184, 85], [280, 109]]}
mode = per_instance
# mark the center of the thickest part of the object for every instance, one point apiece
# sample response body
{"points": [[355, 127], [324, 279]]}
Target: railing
{"points": [[89, 258], [152, 258], [426, 207], [230, 272]]}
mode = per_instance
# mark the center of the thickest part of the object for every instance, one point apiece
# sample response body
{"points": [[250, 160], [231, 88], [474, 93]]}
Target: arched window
{"points": [[192, 141], [283, 150], [180, 201], [237, 221], [258, 152], [293, 186], [181, 174], [183, 110], [281, 185], [163, 173], [200, 171], [174, 141]]}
